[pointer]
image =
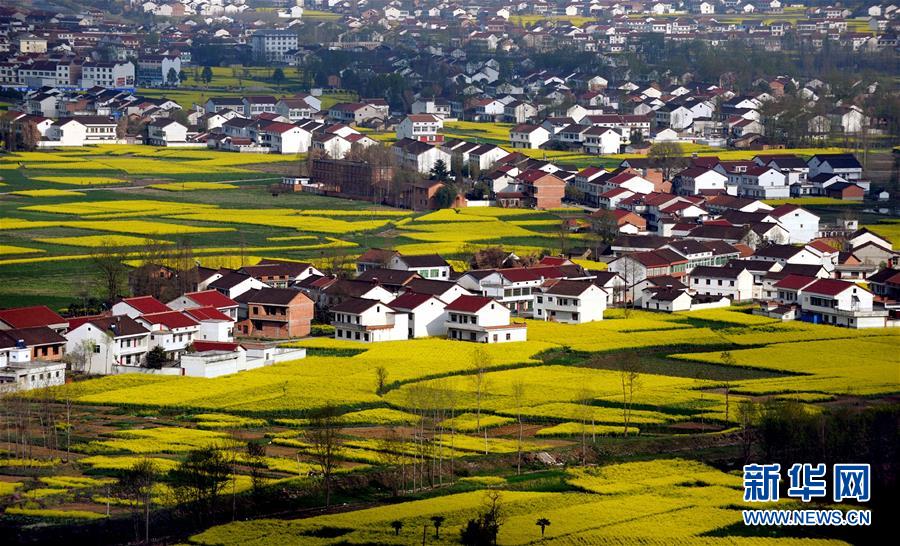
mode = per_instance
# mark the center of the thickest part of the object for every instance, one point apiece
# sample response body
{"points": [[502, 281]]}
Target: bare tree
{"points": [[629, 376], [584, 413], [110, 263], [518, 393], [135, 486], [381, 376], [324, 435], [728, 360], [481, 361]]}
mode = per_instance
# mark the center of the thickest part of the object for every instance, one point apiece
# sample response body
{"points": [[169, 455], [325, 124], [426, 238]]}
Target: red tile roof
{"points": [[830, 287], [203, 346], [211, 298], [822, 246], [27, 317], [147, 304], [469, 304], [794, 282], [207, 313], [410, 300], [170, 319]]}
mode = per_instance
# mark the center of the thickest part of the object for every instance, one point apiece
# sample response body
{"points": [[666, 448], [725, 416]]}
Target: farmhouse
{"points": [[572, 302], [366, 320], [107, 342], [482, 320], [277, 313]]}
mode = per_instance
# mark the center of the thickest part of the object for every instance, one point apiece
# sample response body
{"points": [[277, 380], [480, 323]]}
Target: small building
{"points": [[105, 342], [280, 313], [735, 283], [427, 314], [360, 319], [572, 302], [482, 320], [428, 266]]}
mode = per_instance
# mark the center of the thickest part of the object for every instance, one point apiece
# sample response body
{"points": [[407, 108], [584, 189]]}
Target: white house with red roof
{"points": [[206, 298], [802, 226], [427, 314], [286, 138], [695, 180], [174, 331], [482, 320], [831, 301], [841, 303], [214, 324], [764, 183], [139, 305], [601, 140], [107, 342], [31, 317], [369, 321]]}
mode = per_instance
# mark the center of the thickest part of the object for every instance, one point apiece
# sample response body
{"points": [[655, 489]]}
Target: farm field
{"points": [[563, 384], [220, 200], [631, 503]]}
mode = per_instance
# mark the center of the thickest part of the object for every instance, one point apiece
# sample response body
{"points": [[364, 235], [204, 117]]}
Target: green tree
{"points": [[543, 523], [156, 358], [445, 196], [439, 171], [278, 76], [198, 481], [483, 530], [172, 77], [667, 157], [397, 525], [110, 263], [206, 75], [437, 521], [182, 76], [324, 436]]}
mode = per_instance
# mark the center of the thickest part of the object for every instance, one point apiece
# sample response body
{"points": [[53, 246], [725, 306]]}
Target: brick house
{"points": [[542, 190], [277, 313]]}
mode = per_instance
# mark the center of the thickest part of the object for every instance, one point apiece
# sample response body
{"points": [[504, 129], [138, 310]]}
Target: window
{"points": [[97, 349]]}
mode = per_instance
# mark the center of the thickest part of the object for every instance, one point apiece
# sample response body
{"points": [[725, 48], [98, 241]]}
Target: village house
{"points": [[19, 371], [482, 320], [277, 313], [139, 305], [735, 283], [30, 317], [426, 314], [206, 298], [421, 127], [214, 324], [173, 331], [107, 342], [366, 320], [428, 266], [571, 302], [280, 273]]}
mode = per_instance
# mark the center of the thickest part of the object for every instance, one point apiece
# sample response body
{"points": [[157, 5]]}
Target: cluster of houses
{"points": [[231, 319]]}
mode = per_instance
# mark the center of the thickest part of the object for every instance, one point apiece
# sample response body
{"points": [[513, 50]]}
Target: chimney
{"points": [[20, 344]]}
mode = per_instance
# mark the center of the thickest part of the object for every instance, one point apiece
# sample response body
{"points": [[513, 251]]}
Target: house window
{"points": [[97, 349]]}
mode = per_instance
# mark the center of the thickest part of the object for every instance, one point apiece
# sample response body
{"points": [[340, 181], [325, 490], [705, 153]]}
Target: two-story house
{"points": [[572, 302], [360, 319], [107, 341], [174, 331], [482, 320], [279, 313]]}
